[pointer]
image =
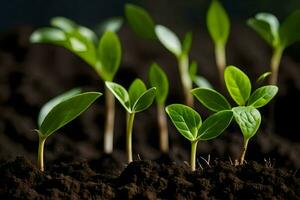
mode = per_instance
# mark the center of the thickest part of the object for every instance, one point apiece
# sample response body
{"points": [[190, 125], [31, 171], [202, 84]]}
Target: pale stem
{"points": [[193, 155], [275, 62], [130, 118], [163, 127], [40, 162], [243, 152], [186, 81], [220, 54], [109, 121]]}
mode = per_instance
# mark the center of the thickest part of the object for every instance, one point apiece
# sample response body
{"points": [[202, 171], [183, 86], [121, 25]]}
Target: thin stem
{"points": [[275, 62], [130, 119], [163, 127], [193, 155], [40, 162], [183, 63], [221, 61], [109, 121], [243, 152]]}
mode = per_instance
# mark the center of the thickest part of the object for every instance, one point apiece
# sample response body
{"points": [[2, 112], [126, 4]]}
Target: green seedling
{"points": [[137, 99], [189, 124], [278, 36], [58, 112], [103, 55], [159, 80], [218, 25], [245, 113], [143, 25]]}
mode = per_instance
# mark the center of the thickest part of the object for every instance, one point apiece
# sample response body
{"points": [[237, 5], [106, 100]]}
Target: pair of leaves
{"points": [[63, 109], [159, 80], [276, 35], [137, 99], [189, 123], [104, 57]]}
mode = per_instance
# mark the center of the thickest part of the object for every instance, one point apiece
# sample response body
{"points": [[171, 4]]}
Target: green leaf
{"points": [[248, 119], [262, 28], [87, 34], [211, 99], [136, 89], [218, 23], [290, 28], [120, 93], [186, 120], [159, 80], [213, 126], [140, 21], [53, 102], [66, 111], [48, 35], [238, 85], [168, 39], [262, 96], [187, 43], [202, 82], [109, 52], [113, 24], [262, 77], [64, 24], [193, 70], [144, 101]]}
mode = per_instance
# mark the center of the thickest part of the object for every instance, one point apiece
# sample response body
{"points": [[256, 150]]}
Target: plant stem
{"points": [[193, 155], [275, 62], [40, 162], [109, 121], [130, 119], [243, 152], [221, 61], [163, 127], [186, 81]]}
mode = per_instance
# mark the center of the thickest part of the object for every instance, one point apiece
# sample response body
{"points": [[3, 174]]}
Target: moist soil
{"points": [[30, 75]]}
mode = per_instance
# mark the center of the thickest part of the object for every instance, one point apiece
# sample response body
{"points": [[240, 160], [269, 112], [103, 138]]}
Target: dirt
{"points": [[32, 74]]}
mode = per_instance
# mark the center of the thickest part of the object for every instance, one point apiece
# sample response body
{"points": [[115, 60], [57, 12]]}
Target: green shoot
{"points": [[136, 99], [245, 113], [278, 36], [103, 55], [263, 77], [218, 25], [159, 80], [59, 112], [189, 124]]}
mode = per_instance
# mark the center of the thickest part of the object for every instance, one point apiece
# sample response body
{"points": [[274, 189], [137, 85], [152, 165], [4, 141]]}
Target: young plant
{"points": [[103, 55], [137, 99], [278, 36], [58, 112], [159, 80], [245, 113], [218, 25], [188, 122], [144, 26]]}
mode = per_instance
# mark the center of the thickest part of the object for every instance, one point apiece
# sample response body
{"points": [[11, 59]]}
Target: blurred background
{"points": [[31, 74]]}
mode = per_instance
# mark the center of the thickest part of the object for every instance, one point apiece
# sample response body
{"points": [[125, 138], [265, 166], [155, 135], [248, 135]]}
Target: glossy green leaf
{"points": [[193, 70], [218, 23], [168, 39], [187, 43], [66, 111], [211, 99], [136, 89], [159, 80], [48, 35], [53, 102], [144, 101], [248, 119], [262, 96], [120, 93], [113, 24], [109, 53], [140, 21], [64, 24], [263, 77], [238, 84], [290, 28], [87, 34], [202, 82], [214, 125], [186, 120]]}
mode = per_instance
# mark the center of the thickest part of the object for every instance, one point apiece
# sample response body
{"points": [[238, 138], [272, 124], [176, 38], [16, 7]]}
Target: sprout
{"points": [[159, 80], [245, 113], [218, 25], [103, 55], [58, 112], [189, 124], [137, 99], [278, 36]]}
